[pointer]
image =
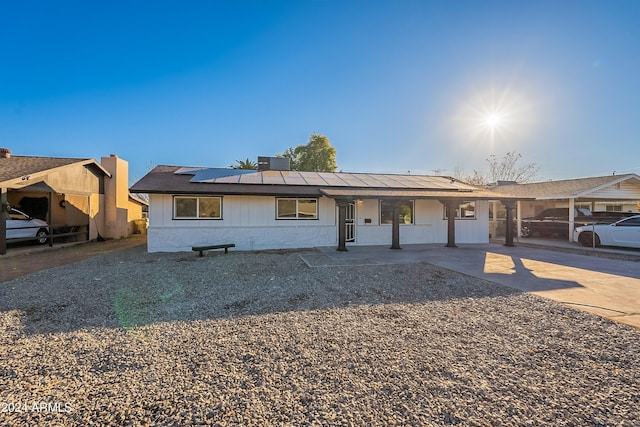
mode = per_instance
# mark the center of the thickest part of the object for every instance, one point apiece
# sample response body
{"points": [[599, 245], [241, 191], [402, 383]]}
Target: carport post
{"points": [[50, 215], [572, 219], [3, 221], [509, 205]]}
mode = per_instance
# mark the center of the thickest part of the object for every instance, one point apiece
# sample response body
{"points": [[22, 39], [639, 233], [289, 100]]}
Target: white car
{"points": [[22, 226], [625, 232]]}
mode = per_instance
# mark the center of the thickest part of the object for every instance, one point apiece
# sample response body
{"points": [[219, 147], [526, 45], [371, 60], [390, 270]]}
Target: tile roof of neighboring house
{"points": [[139, 200], [563, 189], [184, 180], [17, 167]]}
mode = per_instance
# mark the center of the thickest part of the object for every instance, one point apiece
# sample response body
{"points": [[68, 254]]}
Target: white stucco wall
{"points": [[250, 222], [429, 225]]}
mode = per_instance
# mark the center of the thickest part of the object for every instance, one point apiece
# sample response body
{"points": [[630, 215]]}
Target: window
{"points": [[497, 212], [191, 207], [631, 222], [386, 212], [296, 208], [613, 208], [466, 210]]}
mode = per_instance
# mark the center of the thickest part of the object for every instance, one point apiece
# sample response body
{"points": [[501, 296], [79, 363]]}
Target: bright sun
{"points": [[493, 116], [493, 120]]}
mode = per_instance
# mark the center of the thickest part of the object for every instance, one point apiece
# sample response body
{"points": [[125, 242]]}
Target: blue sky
{"points": [[396, 86]]}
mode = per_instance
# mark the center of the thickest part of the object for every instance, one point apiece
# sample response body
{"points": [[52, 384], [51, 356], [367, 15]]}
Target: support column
{"points": [[3, 221], [509, 206], [450, 206], [572, 219], [49, 217], [342, 225], [395, 226], [519, 219]]}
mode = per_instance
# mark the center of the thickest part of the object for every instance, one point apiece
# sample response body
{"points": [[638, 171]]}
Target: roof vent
{"points": [[273, 164], [5, 153]]}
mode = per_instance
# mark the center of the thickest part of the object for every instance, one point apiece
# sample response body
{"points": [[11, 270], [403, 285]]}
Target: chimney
{"points": [[273, 163], [5, 153]]}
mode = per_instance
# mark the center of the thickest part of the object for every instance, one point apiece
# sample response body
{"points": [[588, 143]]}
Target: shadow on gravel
{"points": [[131, 288]]}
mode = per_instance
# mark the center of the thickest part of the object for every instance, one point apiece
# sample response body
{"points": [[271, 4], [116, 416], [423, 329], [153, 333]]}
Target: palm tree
{"points": [[245, 164]]}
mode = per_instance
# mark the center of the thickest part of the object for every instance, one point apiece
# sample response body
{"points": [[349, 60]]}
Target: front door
{"points": [[350, 223]]}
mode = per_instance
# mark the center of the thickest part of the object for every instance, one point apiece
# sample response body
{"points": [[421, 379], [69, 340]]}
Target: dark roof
{"points": [[187, 180], [322, 179], [562, 189], [19, 166]]}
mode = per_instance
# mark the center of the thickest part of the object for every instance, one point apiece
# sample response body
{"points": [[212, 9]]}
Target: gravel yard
{"points": [[131, 338]]}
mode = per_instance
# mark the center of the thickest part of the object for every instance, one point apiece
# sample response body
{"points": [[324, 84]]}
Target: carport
{"points": [[605, 193], [67, 214], [64, 192]]}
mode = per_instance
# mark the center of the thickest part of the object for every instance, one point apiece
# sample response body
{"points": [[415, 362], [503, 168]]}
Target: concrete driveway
{"points": [[607, 287], [28, 259]]}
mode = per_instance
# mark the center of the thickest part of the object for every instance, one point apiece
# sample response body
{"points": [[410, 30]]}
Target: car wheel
{"points": [[586, 239], [525, 231], [41, 236]]}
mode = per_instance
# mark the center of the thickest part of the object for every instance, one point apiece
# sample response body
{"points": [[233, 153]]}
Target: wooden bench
{"points": [[225, 246]]}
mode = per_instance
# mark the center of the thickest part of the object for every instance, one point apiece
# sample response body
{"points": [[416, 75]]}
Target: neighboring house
{"points": [[604, 193], [274, 209], [77, 197]]}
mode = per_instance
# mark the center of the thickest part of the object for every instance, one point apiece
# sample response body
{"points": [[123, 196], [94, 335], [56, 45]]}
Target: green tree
{"points": [[290, 153], [245, 164], [316, 156]]}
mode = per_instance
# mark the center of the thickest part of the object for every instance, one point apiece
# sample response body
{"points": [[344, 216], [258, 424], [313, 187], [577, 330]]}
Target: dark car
{"points": [[555, 221]]}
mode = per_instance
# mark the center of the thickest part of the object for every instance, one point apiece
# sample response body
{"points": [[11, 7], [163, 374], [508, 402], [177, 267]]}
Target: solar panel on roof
{"points": [[293, 178], [313, 178], [211, 174], [225, 175]]}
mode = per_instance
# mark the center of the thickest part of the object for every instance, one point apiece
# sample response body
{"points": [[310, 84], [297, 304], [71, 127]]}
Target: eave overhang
{"points": [[372, 193]]}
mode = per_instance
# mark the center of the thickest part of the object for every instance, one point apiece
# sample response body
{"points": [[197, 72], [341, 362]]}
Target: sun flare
{"points": [[493, 120], [493, 117]]}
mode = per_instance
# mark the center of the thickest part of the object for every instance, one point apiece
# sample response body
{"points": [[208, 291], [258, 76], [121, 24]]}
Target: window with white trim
{"points": [[296, 208], [466, 210], [192, 207]]}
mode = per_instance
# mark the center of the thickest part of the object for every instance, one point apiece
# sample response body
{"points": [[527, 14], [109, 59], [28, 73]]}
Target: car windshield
{"points": [[16, 214]]}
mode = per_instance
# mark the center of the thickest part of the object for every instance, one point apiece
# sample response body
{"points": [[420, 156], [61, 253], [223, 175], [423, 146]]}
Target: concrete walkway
{"points": [[607, 287]]}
